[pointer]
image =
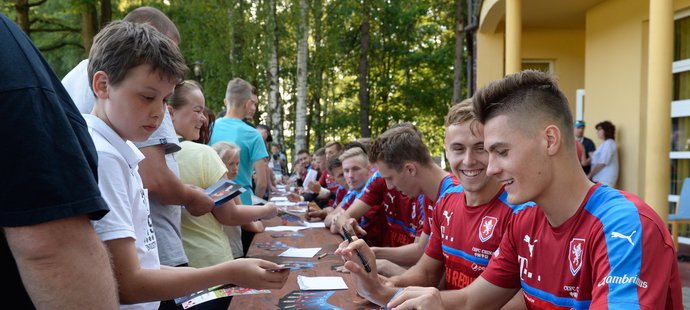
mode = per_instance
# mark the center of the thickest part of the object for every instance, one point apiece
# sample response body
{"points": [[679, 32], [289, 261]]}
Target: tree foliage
{"points": [[410, 56]]}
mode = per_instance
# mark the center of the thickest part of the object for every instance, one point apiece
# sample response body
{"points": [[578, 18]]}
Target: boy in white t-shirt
{"points": [[133, 69]]}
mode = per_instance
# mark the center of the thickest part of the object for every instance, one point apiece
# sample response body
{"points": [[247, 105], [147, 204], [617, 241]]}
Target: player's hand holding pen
{"points": [[361, 262]]}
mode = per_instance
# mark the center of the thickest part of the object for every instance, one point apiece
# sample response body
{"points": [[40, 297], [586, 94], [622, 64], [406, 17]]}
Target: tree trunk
{"points": [[363, 74], [22, 8], [106, 12], [274, 109], [301, 120], [459, 51], [89, 25], [318, 73]]}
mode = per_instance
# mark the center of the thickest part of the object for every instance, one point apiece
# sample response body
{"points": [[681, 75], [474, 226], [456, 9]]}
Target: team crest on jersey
{"points": [[577, 248], [486, 229]]}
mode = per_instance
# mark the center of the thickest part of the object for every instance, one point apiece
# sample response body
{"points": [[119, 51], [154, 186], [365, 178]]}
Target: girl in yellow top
{"points": [[203, 238]]}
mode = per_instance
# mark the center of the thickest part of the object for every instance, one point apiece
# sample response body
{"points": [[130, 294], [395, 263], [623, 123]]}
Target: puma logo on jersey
{"points": [[447, 216], [530, 244], [391, 197], [616, 234]]}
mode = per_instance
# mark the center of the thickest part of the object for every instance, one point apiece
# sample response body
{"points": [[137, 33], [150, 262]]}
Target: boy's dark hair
{"points": [[334, 162], [269, 138], [399, 145], [609, 129], [302, 151], [530, 97], [122, 46], [155, 18], [355, 144]]}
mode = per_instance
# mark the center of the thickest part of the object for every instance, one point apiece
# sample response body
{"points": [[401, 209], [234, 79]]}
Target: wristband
{"points": [[396, 295]]}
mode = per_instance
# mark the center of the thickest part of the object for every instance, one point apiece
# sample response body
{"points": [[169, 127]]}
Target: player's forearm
{"points": [[406, 255]]}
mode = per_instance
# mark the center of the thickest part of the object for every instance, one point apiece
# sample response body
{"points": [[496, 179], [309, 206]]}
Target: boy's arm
{"points": [[166, 187], [71, 244], [139, 285], [260, 168], [232, 215]]}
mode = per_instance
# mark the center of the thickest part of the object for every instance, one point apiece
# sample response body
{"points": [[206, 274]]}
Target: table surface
{"points": [[313, 237]]}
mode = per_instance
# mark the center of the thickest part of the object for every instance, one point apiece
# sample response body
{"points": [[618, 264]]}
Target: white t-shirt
{"points": [[76, 82], [606, 154], [123, 191]]}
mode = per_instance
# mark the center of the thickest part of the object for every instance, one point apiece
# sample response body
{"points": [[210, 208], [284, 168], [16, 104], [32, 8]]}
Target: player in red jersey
{"points": [[468, 221], [586, 245]]}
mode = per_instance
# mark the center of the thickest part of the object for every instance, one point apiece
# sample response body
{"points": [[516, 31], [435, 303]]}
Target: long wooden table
{"points": [[313, 237]]}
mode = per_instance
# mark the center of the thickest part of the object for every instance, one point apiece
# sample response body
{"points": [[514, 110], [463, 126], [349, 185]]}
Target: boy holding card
{"points": [[133, 69]]}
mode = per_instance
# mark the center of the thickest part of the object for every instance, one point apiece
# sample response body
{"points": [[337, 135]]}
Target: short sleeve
{"points": [[433, 247], [258, 150], [373, 193], [114, 187], [77, 84], [503, 269]]}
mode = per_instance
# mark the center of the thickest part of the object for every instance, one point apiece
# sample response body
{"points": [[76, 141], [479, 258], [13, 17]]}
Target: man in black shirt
{"points": [[50, 256], [586, 142]]}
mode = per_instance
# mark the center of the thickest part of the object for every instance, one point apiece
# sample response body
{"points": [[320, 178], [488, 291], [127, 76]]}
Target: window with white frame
{"points": [[680, 107]]}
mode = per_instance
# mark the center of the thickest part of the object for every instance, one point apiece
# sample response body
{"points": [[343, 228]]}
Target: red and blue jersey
{"points": [[340, 193], [429, 205], [464, 238], [373, 221], [402, 213], [614, 252]]}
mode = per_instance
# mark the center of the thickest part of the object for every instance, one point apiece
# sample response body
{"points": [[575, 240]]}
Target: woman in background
{"points": [[605, 157]]}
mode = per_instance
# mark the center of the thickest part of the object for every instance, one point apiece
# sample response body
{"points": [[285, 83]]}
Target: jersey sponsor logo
{"points": [[479, 268], [530, 244], [575, 254], [524, 271], [625, 279], [616, 234], [573, 291], [486, 229]]}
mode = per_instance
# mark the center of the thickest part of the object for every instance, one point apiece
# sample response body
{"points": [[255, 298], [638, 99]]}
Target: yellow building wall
{"points": [[565, 49], [615, 86], [608, 58], [490, 58]]}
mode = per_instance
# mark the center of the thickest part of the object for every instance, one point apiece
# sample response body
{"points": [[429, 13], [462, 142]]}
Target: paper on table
{"points": [[311, 176], [284, 203], [314, 225], [279, 198], [300, 252], [321, 283], [285, 228]]}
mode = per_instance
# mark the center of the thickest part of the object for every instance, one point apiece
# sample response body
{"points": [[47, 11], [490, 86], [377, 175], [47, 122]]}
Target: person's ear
{"points": [[553, 138], [171, 110], [100, 85], [411, 168]]}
